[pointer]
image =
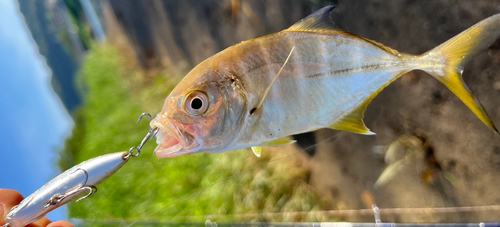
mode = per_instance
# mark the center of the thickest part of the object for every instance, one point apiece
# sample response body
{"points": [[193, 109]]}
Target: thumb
{"points": [[8, 199]]}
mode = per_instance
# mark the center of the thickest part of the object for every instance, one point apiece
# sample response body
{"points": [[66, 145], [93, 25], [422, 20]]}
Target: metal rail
{"points": [[287, 224]]}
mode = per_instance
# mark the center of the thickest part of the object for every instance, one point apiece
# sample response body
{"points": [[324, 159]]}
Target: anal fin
{"points": [[257, 151], [353, 122]]}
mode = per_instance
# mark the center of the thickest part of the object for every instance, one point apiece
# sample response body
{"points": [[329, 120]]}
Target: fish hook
{"points": [[92, 190], [57, 198], [151, 134], [142, 115]]}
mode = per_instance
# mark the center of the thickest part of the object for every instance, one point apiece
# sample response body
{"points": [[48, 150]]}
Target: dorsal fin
{"points": [[321, 20], [381, 46], [318, 20]]}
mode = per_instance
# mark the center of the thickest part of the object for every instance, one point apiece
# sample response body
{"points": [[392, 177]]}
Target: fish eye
{"points": [[196, 103]]}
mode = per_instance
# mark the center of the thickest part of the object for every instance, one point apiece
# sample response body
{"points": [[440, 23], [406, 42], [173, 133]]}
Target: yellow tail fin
{"points": [[446, 61]]}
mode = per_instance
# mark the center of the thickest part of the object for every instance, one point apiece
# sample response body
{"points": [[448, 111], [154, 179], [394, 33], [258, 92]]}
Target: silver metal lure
{"points": [[73, 183], [81, 179]]}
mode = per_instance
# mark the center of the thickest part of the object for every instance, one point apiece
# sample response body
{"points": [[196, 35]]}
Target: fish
{"points": [[310, 76]]}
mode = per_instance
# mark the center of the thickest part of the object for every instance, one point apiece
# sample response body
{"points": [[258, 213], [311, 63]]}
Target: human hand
{"points": [[10, 198]]}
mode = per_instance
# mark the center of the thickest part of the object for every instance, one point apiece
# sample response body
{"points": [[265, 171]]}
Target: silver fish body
{"points": [[65, 187], [327, 77], [313, 90]]}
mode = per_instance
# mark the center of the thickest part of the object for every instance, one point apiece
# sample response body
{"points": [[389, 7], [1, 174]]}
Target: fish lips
{"points": [[174, 139]]}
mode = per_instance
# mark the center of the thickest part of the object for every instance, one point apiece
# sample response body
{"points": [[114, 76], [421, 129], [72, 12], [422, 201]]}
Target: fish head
{"points": [[203, 114]]}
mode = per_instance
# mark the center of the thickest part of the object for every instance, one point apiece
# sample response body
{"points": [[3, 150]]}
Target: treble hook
{"points": [[92, 190], [142, 115], [57, 198], [151, 134]]}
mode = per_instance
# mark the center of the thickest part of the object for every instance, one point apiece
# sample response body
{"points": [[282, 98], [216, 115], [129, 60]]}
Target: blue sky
{"points": [[33, 120]]}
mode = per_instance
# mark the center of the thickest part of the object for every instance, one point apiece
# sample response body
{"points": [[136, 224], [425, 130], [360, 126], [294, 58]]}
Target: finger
{"points": [[60, 224], [40, 223], [8, 199]]}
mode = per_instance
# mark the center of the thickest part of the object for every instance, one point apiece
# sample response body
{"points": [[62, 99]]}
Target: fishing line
{"points": [[353, 212], [236, 175]]}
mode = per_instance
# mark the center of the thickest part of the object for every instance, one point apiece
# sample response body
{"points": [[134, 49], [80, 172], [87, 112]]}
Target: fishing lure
{"points": [[327, 78], [80, 180], [73, 183]]}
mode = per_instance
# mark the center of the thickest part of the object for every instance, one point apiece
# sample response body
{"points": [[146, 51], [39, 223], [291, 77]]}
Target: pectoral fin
{"points": [[353, 122], [278, 143], [257, 151], [275, 143]]}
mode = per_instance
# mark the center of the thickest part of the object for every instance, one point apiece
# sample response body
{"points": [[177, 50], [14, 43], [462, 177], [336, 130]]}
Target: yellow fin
{"points": [[318, 20], [257, 151], [353, 122], [278, 143], [455, 53]]}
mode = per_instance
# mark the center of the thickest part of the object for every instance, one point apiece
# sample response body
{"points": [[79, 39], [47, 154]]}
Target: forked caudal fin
{"points": [[446, 61]]}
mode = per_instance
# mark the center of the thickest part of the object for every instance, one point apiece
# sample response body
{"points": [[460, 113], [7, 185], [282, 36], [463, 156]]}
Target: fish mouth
{"points": [[173, 139]]}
